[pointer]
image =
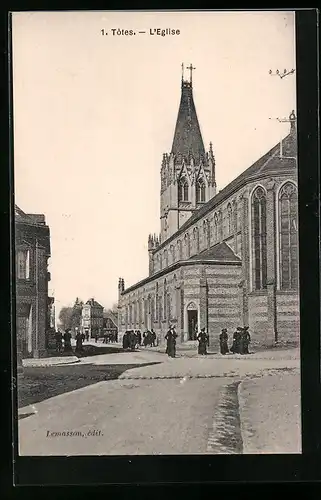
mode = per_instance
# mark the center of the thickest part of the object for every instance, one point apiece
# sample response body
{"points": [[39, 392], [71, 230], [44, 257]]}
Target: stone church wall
{"points": [[258, 319], [224, 302], [288, 317]]}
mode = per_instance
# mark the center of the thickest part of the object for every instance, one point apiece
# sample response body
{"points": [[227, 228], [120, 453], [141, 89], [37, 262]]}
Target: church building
{"points": [[222, 259]]}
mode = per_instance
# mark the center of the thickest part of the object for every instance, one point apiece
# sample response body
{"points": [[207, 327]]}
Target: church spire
{"points": [[187, 137]]}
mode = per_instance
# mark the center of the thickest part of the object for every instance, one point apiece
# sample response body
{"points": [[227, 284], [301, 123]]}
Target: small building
{"points": [[32, 251], [92, 318]]}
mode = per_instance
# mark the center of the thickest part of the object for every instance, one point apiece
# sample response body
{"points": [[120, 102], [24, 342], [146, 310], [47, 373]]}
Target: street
{"points": [[168, 406]]}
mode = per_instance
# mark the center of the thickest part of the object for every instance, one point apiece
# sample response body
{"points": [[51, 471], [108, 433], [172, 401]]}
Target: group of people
{"points": [[110, 337], [63, 341], [241, 341], [133, 339]]}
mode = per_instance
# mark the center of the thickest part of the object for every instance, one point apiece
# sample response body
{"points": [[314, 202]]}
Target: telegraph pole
{"points": [[292, 117]]}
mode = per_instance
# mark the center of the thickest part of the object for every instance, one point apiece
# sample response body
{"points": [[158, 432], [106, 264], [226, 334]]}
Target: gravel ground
{"points": [[270, 412], [125, 417]]}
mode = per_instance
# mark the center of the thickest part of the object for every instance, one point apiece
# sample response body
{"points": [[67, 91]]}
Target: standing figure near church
{"points": [[170, 338], [236, 346], [246, 339], [139, 337], [224, 342], [145, 339], [132, 340], [79, 341], [202, 342], [153, 338], [67, 340]]}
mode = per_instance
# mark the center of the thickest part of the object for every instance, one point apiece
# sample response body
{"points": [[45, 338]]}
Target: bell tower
{"points": [[188, 171]]}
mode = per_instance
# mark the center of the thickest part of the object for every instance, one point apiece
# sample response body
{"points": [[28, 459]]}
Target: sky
{"points": [[94, 113]]}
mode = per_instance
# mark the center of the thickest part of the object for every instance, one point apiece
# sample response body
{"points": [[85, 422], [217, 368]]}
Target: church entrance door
{"points": [[192, 324]]}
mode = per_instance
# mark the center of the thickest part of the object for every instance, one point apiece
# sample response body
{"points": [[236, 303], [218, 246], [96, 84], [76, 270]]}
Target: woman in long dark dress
{"points": [[224, 342], [236, 347], [170, 338], [202, 342]]}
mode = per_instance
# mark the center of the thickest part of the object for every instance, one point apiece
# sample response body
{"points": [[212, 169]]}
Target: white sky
{"points": [[93, 115]]}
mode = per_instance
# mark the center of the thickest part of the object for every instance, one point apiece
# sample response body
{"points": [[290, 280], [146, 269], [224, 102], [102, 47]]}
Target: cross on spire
{"points": [[191, 72], [182, 72]]}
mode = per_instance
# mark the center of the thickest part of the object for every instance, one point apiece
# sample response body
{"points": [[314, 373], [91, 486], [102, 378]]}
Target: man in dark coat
{"points": [[170, 338], [125, 340], [153, 338], [224, 342], [132, 340], [67, 340], [79, 341], [139, 337], [246, 339], [202, 342]]}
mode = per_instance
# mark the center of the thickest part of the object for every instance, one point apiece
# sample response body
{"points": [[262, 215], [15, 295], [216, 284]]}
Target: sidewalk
{"points": [[270, 414], [206, 367], [191, 352]]}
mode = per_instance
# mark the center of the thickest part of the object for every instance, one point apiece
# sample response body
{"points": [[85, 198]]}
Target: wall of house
{"points": [[32, 293]]}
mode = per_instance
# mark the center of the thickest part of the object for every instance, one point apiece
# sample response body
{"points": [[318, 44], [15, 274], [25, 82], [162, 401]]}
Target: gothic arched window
{"points": [[215, 221], [165, 258], [207, 233], [200, 190], [134, 313], [165, 300], [204, 228], [259, 237], [288, 236], [156, 303], [172, 248], [179, 248], [182, 189], [160, 308], [196, 239], [229, 219], [187, 246]]}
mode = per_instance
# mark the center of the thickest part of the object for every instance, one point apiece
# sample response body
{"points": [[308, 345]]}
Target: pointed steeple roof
{"points": [[187, 137]]}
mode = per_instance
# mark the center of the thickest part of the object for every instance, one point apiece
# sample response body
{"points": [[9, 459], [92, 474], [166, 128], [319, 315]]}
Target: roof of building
{"points": [[272, 163], [110, 315], [93, 303], [21, 216], [220, 251], [187, 136], [33, 224]]}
